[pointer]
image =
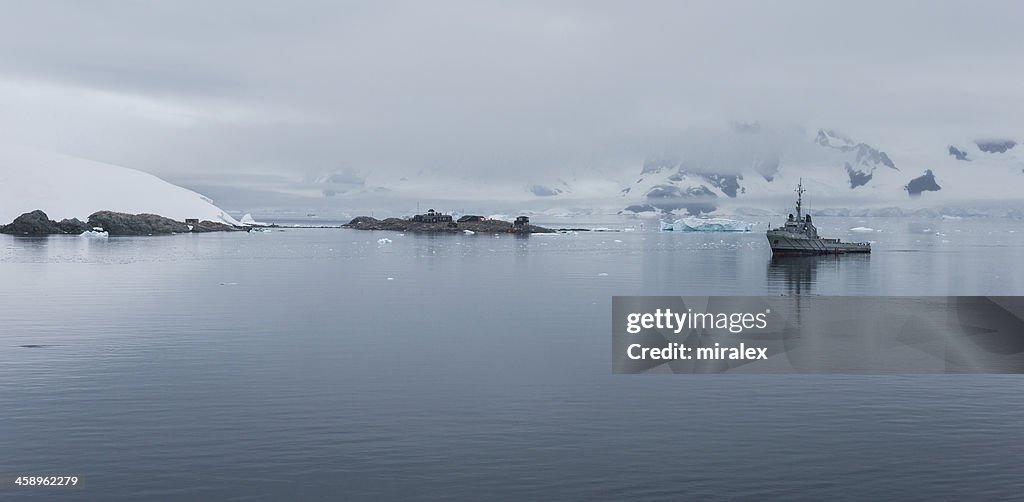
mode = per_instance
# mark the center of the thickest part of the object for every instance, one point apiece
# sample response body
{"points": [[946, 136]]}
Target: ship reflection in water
{"points": [[818, 274]]}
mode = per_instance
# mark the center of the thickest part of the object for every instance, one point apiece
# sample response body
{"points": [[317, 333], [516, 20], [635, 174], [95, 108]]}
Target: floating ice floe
{"points": [[862, 229], [603, 274], [694, 224], [94, 234], [383, 241], [468, 232]]}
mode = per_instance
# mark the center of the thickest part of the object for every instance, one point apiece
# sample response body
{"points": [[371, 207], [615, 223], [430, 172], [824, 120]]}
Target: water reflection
{"points": [[800, 275]]}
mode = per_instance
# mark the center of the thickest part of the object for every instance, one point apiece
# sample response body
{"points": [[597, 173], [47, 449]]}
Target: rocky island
{"points": [[434, 222], [37, 223]]}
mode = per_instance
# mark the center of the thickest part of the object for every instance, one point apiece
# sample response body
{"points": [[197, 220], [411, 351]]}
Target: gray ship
{"points": [[799, 236]]}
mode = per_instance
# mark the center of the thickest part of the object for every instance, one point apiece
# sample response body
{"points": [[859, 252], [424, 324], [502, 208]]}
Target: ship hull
{"points": [[791, 245]]}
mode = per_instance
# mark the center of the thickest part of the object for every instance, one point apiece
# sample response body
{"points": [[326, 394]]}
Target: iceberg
{"points": [[694, 224], [250, 221]]}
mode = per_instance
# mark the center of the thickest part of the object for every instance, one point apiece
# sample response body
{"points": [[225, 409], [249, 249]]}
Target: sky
{"points": [[272, 94]]}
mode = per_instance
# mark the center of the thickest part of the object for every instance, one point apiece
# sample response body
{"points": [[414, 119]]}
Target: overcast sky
{"points": [[215, 88]]}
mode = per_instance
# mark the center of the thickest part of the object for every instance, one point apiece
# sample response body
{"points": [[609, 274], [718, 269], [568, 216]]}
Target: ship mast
{"points": [[799, 198]]}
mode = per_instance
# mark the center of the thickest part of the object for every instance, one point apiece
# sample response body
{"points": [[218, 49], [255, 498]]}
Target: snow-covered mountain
{"points": [[70, 187], [837, 170]]}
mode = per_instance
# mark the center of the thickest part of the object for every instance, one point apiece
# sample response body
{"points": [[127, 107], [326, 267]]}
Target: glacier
{"points": [[71, 187]]}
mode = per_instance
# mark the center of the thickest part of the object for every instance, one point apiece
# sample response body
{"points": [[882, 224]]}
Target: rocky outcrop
{"points": [[995, 146], [212, 226], [151, 224], [136, 224], [73, 226], [37, 223], [923, 183], [861, 169], [729, 184], [958, 154], [858, 177], [405, 225]]}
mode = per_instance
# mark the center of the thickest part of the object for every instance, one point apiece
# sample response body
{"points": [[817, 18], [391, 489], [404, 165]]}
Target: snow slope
{"points": [[70, 187]]}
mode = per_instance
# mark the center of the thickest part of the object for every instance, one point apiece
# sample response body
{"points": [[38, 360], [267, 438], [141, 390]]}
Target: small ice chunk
{"points": [[603, 274], [862, 229], [391, 278], [383, 241], [468, 232], [94, 234]]}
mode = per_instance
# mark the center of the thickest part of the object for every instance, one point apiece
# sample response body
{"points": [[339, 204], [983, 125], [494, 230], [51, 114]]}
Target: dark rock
{"points": [[958, 154], [470, 217], [995, 146], [405, 225], [32, 223], [858, 177], [73, 226], [37, 223], [728, 183], [867, 154], [923, 183], [212, 226], [135, 224]]}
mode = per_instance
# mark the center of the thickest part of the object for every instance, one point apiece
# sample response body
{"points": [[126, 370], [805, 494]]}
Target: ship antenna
{"points": [[799, 198]]}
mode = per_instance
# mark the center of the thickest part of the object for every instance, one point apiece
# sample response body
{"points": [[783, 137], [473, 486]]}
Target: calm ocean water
{"points": [[325, 364]]}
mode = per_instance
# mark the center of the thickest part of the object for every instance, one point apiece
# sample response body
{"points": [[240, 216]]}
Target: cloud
{"points": [[475, 90]]}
